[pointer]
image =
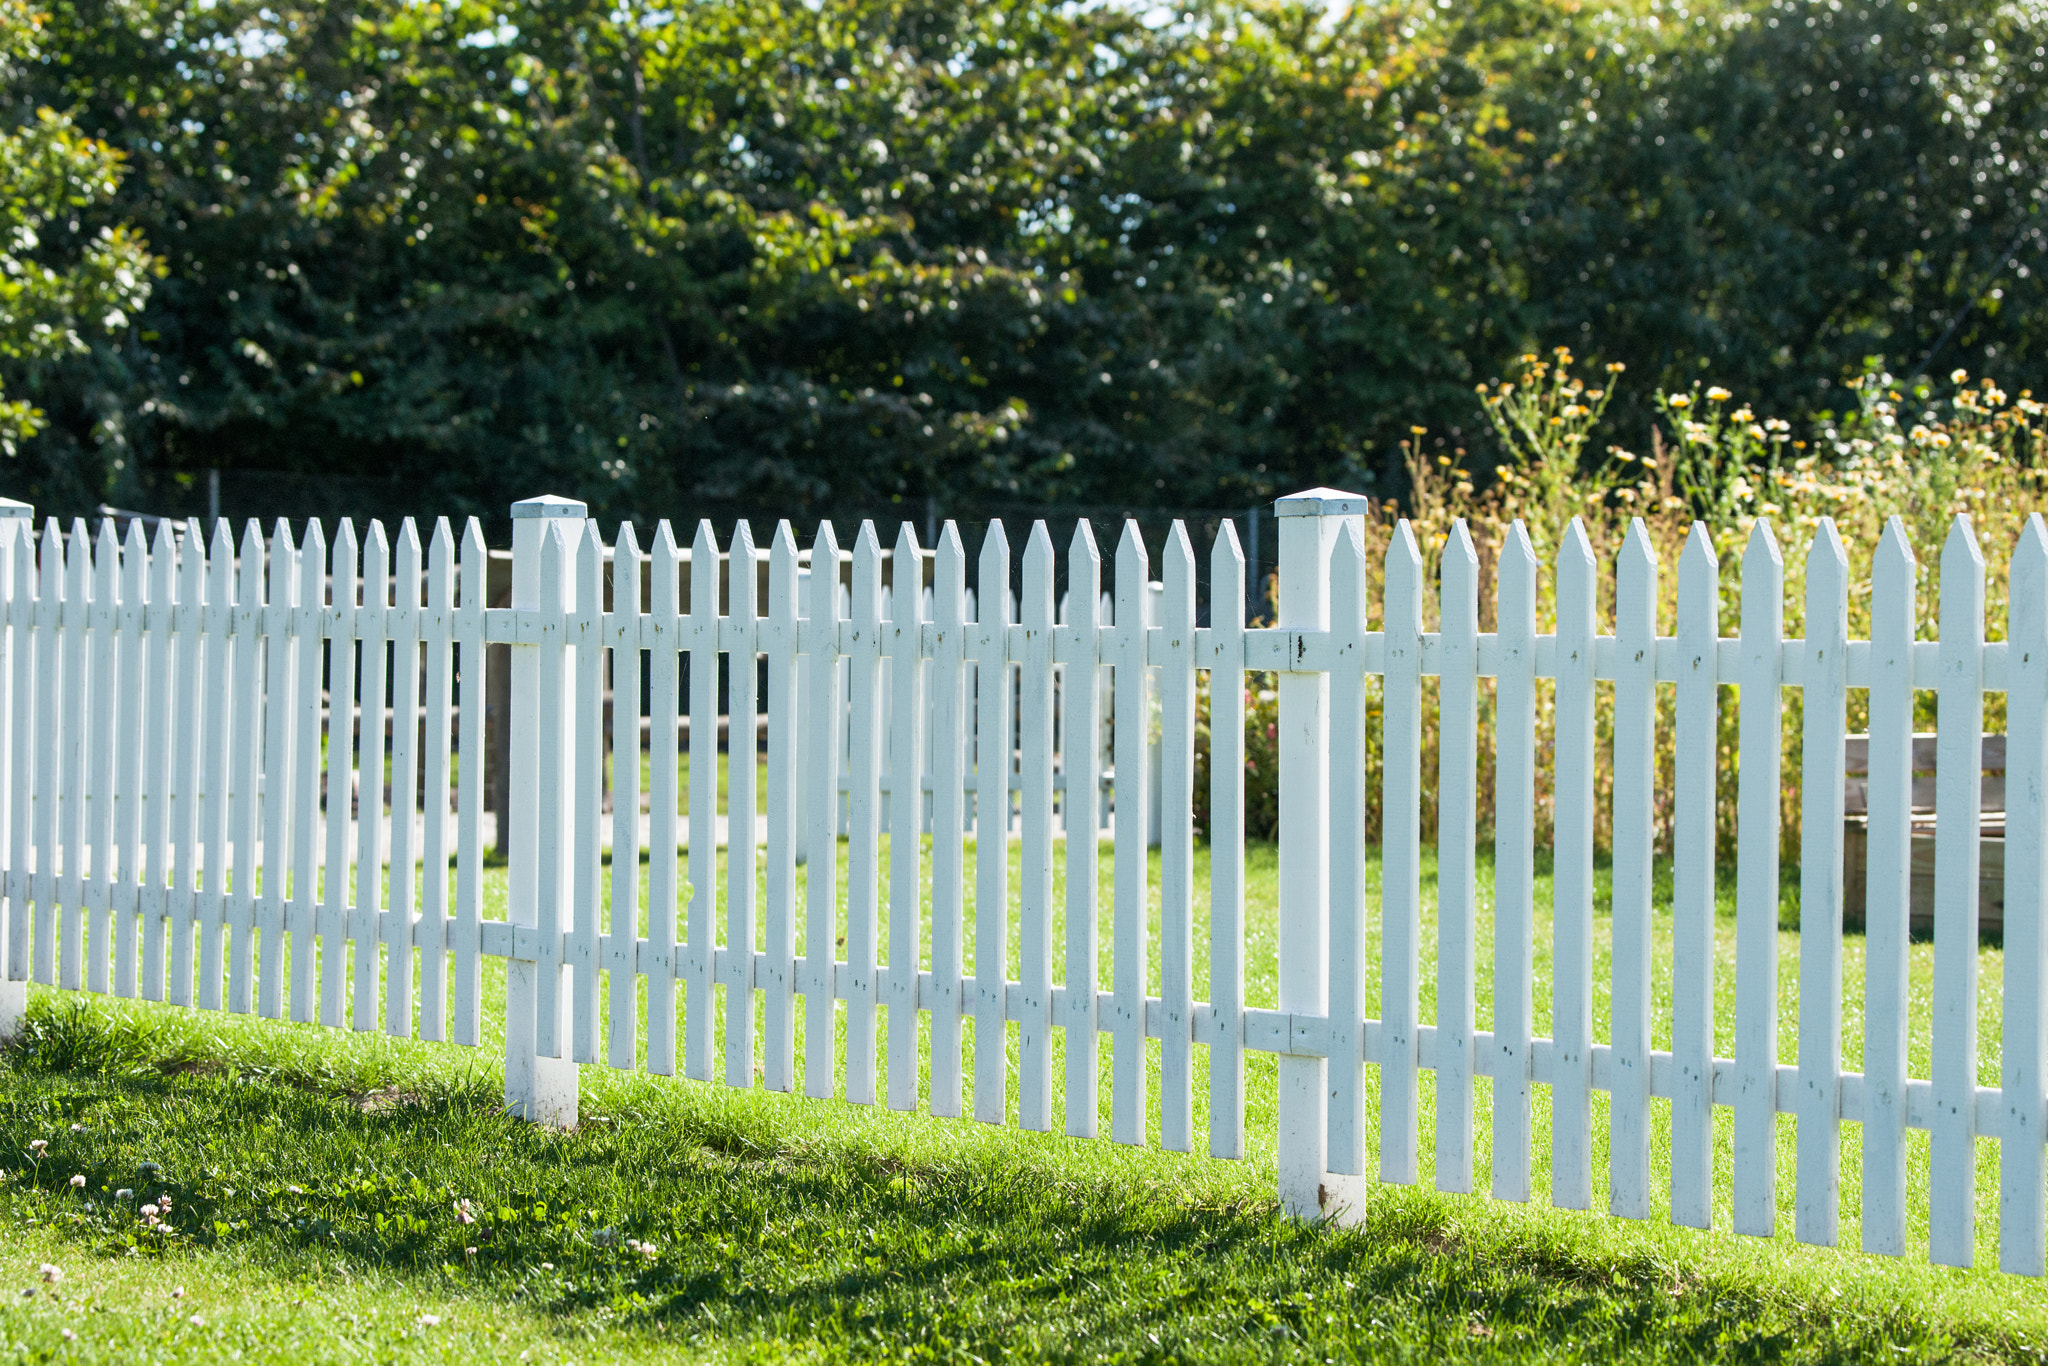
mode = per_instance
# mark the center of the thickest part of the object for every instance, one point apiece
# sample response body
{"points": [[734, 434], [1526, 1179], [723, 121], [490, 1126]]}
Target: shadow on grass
{"points": [[691, 1218]]}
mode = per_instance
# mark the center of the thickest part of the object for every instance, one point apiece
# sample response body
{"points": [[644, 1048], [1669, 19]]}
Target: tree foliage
{"points": [[59, 283], [881, 253]]}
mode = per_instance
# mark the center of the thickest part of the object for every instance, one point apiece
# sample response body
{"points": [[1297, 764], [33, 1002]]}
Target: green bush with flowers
{"points": [[1923, 452]]}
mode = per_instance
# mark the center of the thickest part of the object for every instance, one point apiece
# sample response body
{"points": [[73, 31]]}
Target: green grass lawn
{"points": [[315, 1179]]}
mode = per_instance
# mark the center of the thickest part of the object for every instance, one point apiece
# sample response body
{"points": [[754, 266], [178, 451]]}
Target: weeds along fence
{"points": [[179, 827]]}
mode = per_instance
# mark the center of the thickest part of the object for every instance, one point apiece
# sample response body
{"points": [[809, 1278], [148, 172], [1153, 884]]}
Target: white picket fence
{"points": [[177, 828]]}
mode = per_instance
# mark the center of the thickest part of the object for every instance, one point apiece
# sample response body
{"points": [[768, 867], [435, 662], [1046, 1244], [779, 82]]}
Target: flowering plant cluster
{"points": [[1920, 451]]}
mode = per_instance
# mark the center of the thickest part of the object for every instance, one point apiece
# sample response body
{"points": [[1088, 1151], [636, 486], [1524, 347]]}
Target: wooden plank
{"points": [[621, 944], [1129, 967], [1571, 1084], [664, 706], [2023, 1049], [27, 738], [1308, 532], [307, 643], [1756, 887], [74, 718], [1952, 1136], [1824, 678], [785, 815], [906, 814], [437, 638], [742, 847], [555, 772], [585, 693], [1176, 806], [864, 813], [1635, 796], [182, 906], [48, 756], [1696, 761], [161, 690], [1349, 927], [1514, 863], [949, 780], [1081, 814], [130, 796], [1035, 716], [1400, 857], [991, 828], [1226, 843], [1888, 890], [245, 765], [700, 954], [50, 683], [1457, 879], [373, 627], [17, 747], [102, 645], [474, 686], [1105, 707], [825, 707], [397, 924], [279, 681], [337, 894], [219, 688]]}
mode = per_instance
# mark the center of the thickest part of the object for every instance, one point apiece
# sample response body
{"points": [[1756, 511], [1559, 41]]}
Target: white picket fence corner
{"points": [[173, 828]]}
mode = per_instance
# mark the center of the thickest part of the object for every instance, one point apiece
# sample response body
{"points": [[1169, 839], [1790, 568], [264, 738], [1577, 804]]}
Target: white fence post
{"points": [[538, 1087], [1309, 523], [17, 531]]}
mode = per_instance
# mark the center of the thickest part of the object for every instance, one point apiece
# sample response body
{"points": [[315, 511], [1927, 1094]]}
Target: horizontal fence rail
{"points": [[195, 737]]}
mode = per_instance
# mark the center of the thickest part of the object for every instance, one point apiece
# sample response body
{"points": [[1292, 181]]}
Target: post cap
{"points": [[10, 508], [548, 505], [1321, 502]]}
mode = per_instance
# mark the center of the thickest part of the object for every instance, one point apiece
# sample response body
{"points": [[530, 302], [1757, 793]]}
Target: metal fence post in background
{"points": [[17, 523], [540, 1087], [1309, 523]]}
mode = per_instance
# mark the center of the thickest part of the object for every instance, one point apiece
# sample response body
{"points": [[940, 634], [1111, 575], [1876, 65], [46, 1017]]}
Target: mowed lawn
{"points": [[348, 1197]]}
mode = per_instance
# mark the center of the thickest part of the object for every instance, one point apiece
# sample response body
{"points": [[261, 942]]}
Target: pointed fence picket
{"points": [[1756, 887], [128, 792], [1886, 905], [1635, 759], [990, 645], [1082, 796], [1225, 658], [1695, 740], [2024, 1049], [1514, 866], [1035, 853], [1959, 693], [1349, 575], [196, 809], [1457, 892], [1400, 1050]]}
